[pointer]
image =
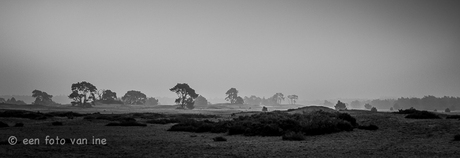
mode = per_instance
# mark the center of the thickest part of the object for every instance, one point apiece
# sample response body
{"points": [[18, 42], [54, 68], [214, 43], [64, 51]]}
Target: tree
{"points": [[186, 95], [152, 101], [340, 106], [278, 97], [373, 109], [264, 109], [42, 98], [391, 109], [134, 97], [82, 93], [292, 98], [2, 100], [232, 95], [368, 106], [447, 110], [239, 100], [200, 100], [108, 95]]}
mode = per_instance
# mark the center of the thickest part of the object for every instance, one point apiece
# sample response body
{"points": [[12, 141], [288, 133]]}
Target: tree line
{"points": [[426, 103]]}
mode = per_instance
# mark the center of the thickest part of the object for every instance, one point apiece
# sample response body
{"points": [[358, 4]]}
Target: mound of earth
{"points": [[308, 109]]}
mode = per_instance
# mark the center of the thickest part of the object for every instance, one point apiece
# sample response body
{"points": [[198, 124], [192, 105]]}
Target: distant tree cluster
{"points": [[340, 106], [13, 101], [42, 98], [274, 100]]}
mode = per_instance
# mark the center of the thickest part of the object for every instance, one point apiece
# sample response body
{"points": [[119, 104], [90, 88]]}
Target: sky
{"points": [[314, 49]]}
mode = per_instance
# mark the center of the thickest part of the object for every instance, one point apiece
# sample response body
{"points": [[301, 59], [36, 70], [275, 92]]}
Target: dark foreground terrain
{"points": [[396, 137]]}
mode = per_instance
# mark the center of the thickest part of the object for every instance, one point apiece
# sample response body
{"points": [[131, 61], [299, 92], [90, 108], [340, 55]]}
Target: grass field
{"points": [[396, 137]]}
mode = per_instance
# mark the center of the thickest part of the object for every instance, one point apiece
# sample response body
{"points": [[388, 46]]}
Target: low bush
{"points": [[447, 110], [457, 137], [57, 123], [219, 139], [65, 114], [2, 124], [373, 109], [453, 117], [295, 136], [407, 111], [423, 115], [369, 127], [19, 124], [165, 121], [25, 114], [130, 123], [274, 124]]}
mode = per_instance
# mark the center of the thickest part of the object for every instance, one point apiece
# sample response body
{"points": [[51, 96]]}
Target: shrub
{"points": [[3, 124], [219, 139], [24, 114], [19, 124], [274, 124], [369, 127], [453, 117], [373, 109], [447, 110], [129, 123], [423, 115], [164, 121], [457, 137], [65, 114], [407, 111], [296, 136], [57, 123]]}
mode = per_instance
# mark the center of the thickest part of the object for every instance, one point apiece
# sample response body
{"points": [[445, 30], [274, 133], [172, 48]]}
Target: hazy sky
{"points": [[315, 49]]}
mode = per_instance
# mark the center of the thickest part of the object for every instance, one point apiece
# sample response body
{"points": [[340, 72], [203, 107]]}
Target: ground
{"points": [[396, 137]]}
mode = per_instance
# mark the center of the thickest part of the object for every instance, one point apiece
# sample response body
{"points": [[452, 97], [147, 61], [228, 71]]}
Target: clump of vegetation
{"points": [[295, 136], [19, 124], [457, 137], [219, 139], [274, 124], [407, 111], [110, 117], [373, 109], [453, 117], [126, 123], [25, 114], [423, 115], [164, 121], [447, 110], [370, 127], [65, 114], [2, 124], [57, 123]]}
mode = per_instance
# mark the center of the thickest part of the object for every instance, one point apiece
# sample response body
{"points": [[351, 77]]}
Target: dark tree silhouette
{"points": [[152, 101], [134, 97], [292, 98], [200, 100], [2, 100], [82, 93], [368, 106], [340, 106], [186, 95], [232, 95], [42, 98]]}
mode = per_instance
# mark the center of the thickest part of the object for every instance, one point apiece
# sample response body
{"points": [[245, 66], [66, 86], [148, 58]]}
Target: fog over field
{"points": [[314, 49]]}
